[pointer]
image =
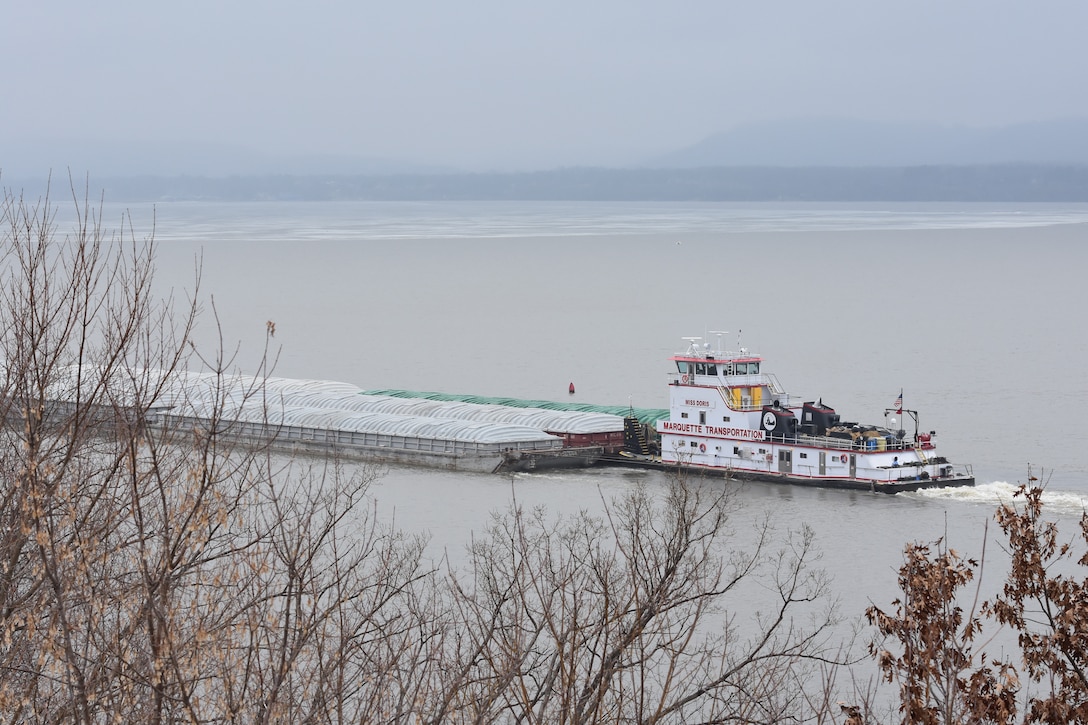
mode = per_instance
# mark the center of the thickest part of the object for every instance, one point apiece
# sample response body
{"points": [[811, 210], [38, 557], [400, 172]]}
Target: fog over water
{"points": [[975, 311], [349, 87]]}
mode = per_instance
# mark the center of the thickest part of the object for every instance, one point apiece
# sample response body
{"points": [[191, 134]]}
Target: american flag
{"points": [[899, 403]]}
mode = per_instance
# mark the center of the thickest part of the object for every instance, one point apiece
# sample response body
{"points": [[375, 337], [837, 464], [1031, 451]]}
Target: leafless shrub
{"points": [[157, 574], [629, 618], [150, 574]]}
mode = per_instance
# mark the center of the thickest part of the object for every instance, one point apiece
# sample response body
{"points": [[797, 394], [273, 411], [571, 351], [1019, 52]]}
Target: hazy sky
{"points": [[509, 84]]}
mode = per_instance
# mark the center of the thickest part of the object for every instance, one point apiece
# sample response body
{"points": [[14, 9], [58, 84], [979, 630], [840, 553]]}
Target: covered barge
{"points": [[319, 416]]}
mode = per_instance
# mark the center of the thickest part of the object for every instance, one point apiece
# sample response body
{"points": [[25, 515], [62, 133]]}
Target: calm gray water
{"points": [[975, 311]]}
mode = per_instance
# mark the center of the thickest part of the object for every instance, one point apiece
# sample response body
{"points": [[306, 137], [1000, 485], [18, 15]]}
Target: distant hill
{"points": [[787, 143], [823, 160], [842, 142]]}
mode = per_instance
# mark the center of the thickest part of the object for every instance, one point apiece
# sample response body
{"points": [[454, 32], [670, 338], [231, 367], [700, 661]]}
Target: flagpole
{"points": [[898, 409]]}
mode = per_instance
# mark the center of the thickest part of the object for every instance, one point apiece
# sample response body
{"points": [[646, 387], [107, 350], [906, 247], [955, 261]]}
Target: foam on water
{"points": [[998, 493]]}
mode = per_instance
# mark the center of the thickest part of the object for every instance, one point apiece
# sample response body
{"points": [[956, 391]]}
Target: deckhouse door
{"points": [[785, 461], [853, 465]]}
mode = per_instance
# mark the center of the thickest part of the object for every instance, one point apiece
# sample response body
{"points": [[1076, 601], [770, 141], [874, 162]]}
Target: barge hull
{"points": [[525, 461], [500, 462]]}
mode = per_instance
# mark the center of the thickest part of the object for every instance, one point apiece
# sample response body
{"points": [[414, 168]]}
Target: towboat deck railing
{"points": [[732, 381], [887, 474], [846, 444], [932, 472], [767, 380], [773, 384]]}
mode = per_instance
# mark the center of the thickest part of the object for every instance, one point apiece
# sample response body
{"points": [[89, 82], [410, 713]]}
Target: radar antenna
{"points": [[718, 334], [693, 346]]}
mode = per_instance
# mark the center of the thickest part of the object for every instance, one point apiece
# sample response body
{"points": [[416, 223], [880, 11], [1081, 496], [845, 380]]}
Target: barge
{"points": [[316, 417]]}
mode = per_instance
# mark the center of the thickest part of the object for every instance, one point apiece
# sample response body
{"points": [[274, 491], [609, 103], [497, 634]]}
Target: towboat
{"points": [[728, 415]]}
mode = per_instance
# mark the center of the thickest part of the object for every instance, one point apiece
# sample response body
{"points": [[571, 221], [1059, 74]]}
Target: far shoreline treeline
{"points": [[982, 183]]}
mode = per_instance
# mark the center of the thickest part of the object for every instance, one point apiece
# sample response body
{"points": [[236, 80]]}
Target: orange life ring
{"points": [[702, 447], [843, 458], [684, 378]]}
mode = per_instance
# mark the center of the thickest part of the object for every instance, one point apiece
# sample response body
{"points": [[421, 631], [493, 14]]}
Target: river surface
{"points": [[976, 312]]}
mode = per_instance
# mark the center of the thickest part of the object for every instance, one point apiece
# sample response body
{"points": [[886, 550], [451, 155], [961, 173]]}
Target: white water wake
{"points": [[1001, 492]]}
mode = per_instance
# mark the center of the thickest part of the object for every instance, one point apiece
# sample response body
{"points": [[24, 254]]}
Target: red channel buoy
{"points": [[571, 389]]}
